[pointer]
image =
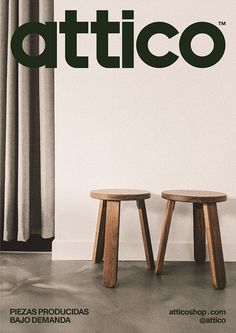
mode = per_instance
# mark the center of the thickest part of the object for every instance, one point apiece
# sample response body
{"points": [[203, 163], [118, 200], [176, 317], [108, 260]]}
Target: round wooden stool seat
{"points": [[194, 196], [119, 194]]}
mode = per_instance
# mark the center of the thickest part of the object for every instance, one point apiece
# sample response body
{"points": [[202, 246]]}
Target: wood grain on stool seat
{"points": [[194, 196], [119, 194]]}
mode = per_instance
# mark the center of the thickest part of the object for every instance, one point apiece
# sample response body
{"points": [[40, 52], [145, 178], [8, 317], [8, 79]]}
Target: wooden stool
{"points": [[108, 229], [205, 217]]}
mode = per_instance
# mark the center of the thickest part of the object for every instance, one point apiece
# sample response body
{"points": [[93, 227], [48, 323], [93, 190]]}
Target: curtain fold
{"points": [[27, 129], [46, 86]]}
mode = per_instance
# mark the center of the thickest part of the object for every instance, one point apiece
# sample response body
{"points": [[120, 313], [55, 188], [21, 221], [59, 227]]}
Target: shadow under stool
{"points": [[205, 219], [107, 232]]}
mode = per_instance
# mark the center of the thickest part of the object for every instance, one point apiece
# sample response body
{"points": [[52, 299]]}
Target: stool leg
{"points": [[98, 248], [214, 245], [164, 235], [146, 234], [111, 244], [199, 234]]}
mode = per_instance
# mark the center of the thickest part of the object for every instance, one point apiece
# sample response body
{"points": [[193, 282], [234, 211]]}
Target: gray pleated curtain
{"points": [[26, 129]]}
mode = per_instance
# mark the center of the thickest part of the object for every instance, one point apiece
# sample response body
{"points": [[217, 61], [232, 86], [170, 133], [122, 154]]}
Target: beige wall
{"points": [[145, 128]]}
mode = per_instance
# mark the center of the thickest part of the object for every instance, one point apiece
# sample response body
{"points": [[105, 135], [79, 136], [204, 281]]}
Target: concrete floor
{"points": [[139, 304]]}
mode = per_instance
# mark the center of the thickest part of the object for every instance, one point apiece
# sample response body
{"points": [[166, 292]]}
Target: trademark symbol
{"points": [[222, 22]]}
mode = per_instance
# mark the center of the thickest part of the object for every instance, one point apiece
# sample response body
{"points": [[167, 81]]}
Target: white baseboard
{"points": [[74, 250]]}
